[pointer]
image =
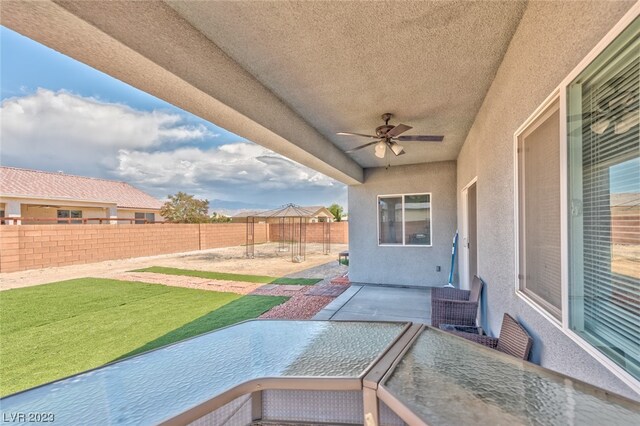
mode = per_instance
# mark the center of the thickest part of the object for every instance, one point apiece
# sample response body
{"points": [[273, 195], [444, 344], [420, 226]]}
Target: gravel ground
{"points": [[237, 287], [228, 259], [327, 271], [299, 307], [304, 301], [281, 290]]}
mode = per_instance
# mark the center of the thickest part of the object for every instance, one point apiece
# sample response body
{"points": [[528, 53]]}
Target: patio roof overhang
{"points": [[289, 76]]}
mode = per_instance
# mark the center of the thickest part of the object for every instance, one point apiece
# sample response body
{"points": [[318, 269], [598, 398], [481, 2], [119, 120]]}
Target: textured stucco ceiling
{"points": [[340, 65], [289, 75], [149, 46]]}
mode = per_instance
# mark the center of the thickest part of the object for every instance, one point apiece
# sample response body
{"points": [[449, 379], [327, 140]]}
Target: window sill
{"points": [[541, 310], [404, 245], [605, 361]]}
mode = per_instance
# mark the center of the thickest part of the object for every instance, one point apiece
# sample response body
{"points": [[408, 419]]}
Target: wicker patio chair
{"points": [[455, 306], [513, 340]]}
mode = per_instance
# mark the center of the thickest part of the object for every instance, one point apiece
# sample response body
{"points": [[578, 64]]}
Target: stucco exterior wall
{"points": [[553, 37], [34, 208], [37, 212], [415, 266], [131, 214]]}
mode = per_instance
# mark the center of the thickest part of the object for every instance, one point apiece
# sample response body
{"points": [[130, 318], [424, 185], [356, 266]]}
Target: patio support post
{"points": [[112, 213], [13, 209]]}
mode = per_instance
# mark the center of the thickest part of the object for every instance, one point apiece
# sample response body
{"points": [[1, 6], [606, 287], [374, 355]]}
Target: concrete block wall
{"points": [[9, 248], [216, 235], [24, 247], [339, 232], [39, 246]]}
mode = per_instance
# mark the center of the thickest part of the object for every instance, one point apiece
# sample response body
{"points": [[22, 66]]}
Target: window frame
{"points": [[402, 196], [143, 220], [539, 117], [561, 92], [69, 220]]}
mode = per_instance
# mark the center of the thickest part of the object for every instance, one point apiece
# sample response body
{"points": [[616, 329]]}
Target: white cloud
{"points": [[226, 171], [57, 128], [151, 149]]}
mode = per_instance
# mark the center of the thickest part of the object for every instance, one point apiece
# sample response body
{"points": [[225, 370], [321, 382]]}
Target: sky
{"points": [[58, 114]]}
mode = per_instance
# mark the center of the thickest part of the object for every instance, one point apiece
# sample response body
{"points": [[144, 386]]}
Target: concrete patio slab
{"points": [[380, 303], [333, 307]]}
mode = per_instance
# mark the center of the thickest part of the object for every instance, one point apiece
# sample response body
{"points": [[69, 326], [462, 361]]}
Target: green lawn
{"points": [[231, 277], [58, 329]]}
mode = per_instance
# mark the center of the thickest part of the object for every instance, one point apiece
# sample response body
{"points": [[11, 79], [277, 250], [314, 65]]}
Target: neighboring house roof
{"points": [[15, 182], [289, 210], [247, 213]]}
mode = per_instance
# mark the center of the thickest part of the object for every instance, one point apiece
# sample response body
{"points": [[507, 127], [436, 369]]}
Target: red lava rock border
{"points": [[299, 307]]}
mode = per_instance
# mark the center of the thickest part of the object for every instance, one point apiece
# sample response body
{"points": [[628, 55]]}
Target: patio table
{"points": [[180, 382], [443, 379], [322, 371]]}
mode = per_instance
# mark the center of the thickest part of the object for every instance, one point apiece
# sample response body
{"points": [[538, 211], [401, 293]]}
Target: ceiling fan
{"points": [[388, 136]]}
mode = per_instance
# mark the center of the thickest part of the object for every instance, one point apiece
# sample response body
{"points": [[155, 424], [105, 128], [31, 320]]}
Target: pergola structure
{"points": [[291, 221]]}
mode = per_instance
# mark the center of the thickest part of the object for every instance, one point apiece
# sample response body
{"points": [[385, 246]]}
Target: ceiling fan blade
{"points": [[421, 138], [400, 128], [356, 134], [361, 146]]}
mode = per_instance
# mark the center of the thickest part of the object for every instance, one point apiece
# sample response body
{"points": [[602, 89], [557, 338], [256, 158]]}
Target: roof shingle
{"points": [[47, 185]]}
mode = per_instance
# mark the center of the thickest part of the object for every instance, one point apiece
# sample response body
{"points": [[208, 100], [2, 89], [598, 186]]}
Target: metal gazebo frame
{"points": [[291, 221]]}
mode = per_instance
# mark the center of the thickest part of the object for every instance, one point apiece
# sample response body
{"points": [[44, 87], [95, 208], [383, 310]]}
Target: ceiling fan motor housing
{"points": [[381, 131]]}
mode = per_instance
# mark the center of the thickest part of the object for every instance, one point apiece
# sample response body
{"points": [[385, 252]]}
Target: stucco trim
{"points": [[463, 227], [530, 124]]}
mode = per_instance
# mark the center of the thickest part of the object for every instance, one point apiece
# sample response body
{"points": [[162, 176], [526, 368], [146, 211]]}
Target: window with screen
{"points": [[142, 218], [404, 220], [538, 150], [65, 215], [604, 202]]}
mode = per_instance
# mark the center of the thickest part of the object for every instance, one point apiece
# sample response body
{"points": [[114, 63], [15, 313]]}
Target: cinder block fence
{"points": [[24, 247]]}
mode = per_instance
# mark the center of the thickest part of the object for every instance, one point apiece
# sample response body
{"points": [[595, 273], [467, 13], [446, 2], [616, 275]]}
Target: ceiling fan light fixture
{"points": [[600, 126], [397, 148], [629, 120], [381, 149]]}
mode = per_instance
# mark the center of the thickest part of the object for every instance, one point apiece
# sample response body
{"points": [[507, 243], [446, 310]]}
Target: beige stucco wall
{"points": [[415, 266], [35, 208], [553, 37], [37, 212], [131, 214]]}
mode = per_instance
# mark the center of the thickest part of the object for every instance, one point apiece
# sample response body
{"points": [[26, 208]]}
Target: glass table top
{"points": [[161, 384], [446, 380]]}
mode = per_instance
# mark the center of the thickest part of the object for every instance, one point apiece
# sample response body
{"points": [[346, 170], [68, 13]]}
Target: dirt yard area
{"points": [[268, 261]]}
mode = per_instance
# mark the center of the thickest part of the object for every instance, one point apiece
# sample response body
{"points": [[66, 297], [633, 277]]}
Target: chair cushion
{"points": [[514, 339]]}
